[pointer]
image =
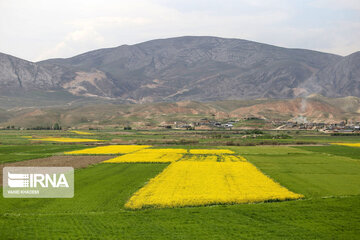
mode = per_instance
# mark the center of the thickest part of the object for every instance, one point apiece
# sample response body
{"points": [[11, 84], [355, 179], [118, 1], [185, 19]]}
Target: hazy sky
{"points": [[42, 29]]}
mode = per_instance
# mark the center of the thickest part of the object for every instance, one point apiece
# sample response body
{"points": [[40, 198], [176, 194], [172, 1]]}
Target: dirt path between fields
{"points": [[56, 161]]}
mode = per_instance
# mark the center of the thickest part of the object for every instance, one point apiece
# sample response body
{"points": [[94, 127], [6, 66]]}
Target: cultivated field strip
{"points": [[201, 177], [348, 144], [111, 149], [64, 139], [196, 177], [194, 183], [200, 158], [211, 151], [214, 158], [146, 157], [82, 132], [163, 150], [56, 161]]}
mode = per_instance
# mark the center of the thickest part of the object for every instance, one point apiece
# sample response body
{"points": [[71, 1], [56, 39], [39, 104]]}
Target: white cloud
{"points": [[338, 5], [41, 29], [345, 38], [79, 40], [142, 21]]}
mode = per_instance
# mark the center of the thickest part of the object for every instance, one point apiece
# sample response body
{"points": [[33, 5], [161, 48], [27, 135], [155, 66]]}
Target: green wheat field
{"points": [[327, 175]]}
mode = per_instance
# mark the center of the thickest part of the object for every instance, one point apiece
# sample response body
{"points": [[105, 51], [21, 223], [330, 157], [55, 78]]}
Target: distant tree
{"points": [[127, 128], [57, 126], [254, 131]]}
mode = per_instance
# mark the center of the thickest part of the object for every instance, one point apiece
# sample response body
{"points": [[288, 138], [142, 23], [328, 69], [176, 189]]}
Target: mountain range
{"points": [[184, 68]]}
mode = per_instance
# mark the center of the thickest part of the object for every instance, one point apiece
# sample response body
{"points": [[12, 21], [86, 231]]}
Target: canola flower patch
{"points": [[232, 158], [82, 132], [348, 144], [111, 149], [146, 157], [62, 139], [164, 150], [194, 183], [201, 158], [214, 158], [211, 151]]}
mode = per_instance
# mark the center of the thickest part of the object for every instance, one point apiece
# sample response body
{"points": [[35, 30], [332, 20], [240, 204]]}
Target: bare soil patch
{"points": [[56, 161]]}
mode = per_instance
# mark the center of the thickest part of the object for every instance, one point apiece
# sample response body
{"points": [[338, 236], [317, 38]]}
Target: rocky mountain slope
{"points": [[21, 74], [187, 68], [341, 78], [315, 108]]}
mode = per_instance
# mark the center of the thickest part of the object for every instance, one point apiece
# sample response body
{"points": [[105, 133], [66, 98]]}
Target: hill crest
{"points": [[188, 68]]}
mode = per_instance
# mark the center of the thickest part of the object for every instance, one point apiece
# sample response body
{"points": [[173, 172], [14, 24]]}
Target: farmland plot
{"points": [[348, 144], [146, 158], [82, 133], [64, 139], [194, 183], [214, 158], [163, 150], [211, 151], [150, 156], [111, 149]]}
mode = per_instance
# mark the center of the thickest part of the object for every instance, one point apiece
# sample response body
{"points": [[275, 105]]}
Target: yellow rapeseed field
{"points": [[111, 149], [232, 158], [214, 158], [82, 133], [146, 157], [211, 151], [348, 144], [194, 183], [201, 158], [163, 150], [62, 139]]}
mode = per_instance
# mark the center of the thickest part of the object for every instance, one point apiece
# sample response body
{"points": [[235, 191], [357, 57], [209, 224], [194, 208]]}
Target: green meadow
{"points": [[14, 153], [328, 176]]}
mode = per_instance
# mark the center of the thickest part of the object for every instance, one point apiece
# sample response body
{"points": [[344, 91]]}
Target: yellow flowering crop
{"points": [[111, 149], [142, 157], [61, 139], [214, 158], [193, 183], [201, 158], [232, 158], [163, 150], [82, 133], [211, 151], [348, 144]]}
